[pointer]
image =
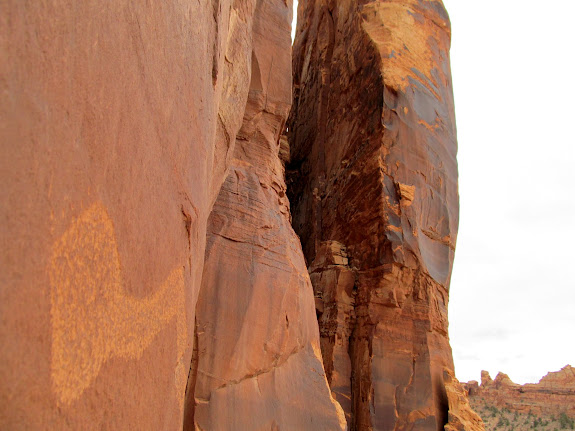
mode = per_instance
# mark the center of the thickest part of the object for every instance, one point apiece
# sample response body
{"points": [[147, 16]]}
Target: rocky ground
{"points": [[504, 419]]}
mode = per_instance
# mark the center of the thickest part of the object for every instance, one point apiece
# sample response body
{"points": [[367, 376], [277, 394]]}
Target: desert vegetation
{"points": [[504, 419]]}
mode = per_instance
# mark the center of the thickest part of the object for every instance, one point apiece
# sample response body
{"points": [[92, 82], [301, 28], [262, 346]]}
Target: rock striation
{"points": [[461, 416], [333, 283], [258, 363], [552, 396], [373, 186], [150, 276]]}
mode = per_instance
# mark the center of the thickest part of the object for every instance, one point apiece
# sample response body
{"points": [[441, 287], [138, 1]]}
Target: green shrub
{"points": [[565, 422]]}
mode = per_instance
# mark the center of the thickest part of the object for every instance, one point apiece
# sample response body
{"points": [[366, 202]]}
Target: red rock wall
{"points": [[123, 124], [373, 169], [118, 124], [258, 363]]}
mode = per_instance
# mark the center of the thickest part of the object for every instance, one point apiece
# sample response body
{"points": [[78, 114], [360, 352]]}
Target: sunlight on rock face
{"points": [[93, 320]]}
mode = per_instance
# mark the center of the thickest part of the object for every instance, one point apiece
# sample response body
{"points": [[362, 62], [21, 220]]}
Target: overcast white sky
{"points": [[512, 300], [512, 306]]}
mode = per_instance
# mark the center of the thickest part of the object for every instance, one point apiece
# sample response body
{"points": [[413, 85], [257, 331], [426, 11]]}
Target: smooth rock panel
{"points": [[117, 123]]}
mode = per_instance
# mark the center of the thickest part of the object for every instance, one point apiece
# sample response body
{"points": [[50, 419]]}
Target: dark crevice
{"points": [[190, 401], [216, 48]]}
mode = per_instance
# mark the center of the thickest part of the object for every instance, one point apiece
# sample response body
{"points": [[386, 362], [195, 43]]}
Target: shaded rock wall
{"points": [[373, 170], [553, 395], [333, 282], [258, 362]]}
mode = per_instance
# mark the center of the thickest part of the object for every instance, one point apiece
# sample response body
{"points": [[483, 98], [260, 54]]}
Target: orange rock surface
{"points": [[373, 187], [461, 415], [150, 277], [118, 123], [258, 364]]}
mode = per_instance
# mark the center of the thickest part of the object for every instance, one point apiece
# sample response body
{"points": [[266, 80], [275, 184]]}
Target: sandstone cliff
{"points": [[501, 401], [150, 277], [258, 364], [119, 123], [373, 187]]}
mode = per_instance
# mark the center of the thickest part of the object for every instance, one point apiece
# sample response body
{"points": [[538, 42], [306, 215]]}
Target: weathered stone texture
{"points": [[116, 118], [373, 168], [259, 365], [118, 123], [461, 415], [333, 282], [142, 164]]}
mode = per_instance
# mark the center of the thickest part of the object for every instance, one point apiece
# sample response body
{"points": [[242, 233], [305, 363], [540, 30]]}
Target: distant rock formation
{"points": [[552, 396]]}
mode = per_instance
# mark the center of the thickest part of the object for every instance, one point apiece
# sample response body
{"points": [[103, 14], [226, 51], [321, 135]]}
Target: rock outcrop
{"points": [[373, 187], [552, 396], [333, 282], [461, 415]]}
